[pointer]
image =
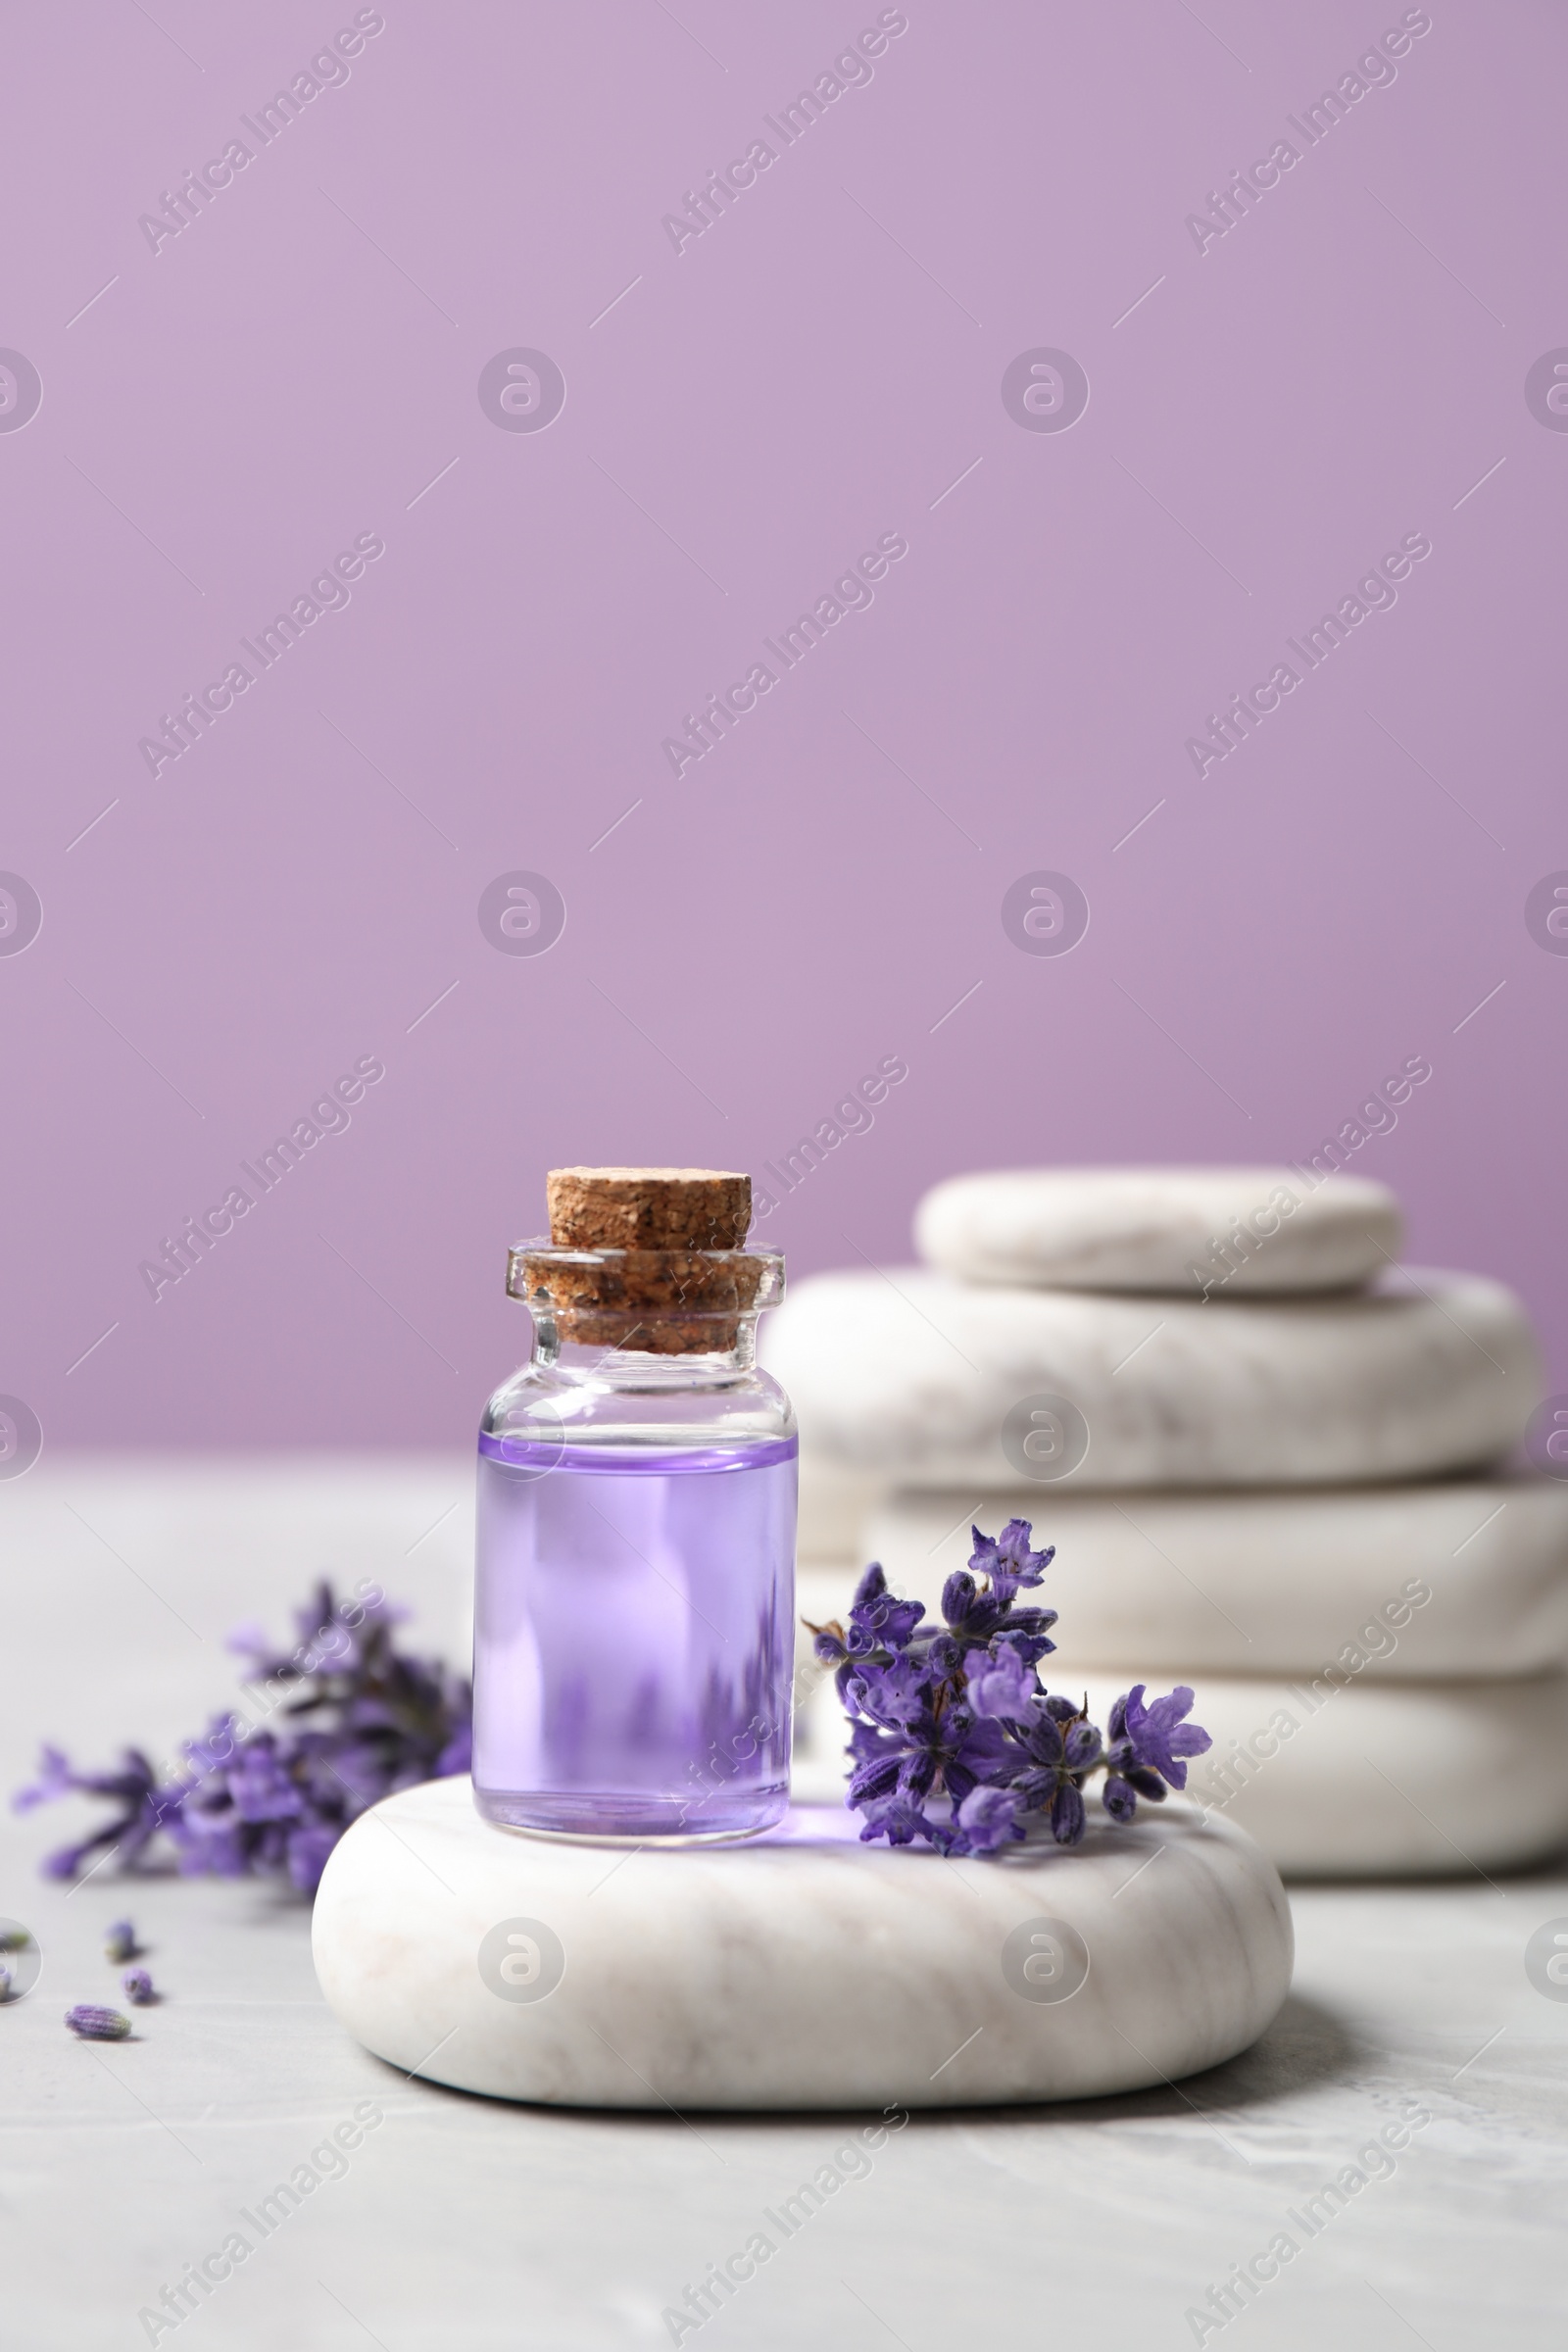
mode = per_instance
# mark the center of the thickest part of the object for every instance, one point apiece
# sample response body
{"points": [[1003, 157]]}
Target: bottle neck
{"points": [[653, 1363]]}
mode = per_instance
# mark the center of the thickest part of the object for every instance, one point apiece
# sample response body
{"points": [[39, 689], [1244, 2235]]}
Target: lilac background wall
{"points": [[822, 367]]}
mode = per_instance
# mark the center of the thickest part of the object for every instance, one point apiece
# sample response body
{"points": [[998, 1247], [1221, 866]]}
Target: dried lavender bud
{"points": [[14, 1939], [97, 2025], [955, 1716], [137, 1986], [7, 1980], [120, 1944]]}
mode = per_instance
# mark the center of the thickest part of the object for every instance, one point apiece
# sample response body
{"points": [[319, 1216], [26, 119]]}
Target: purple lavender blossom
{"points": [[1156, 1738], [989, 1819], [133, 1790], [896, 1819], [877, 1619], [953, 1736], [1002, 1685], [893, 1695], [1008, 1561], [120, 1942], [90, 2024], [355, 1719], [137, 1987]]}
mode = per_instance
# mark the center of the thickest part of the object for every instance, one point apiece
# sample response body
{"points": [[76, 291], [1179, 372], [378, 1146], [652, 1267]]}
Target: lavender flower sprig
{"points": [[362, 1719], [952, 1735]]}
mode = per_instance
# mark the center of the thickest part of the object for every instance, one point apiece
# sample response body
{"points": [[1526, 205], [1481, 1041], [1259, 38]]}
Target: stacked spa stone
{"points": [[1271, 1462]]}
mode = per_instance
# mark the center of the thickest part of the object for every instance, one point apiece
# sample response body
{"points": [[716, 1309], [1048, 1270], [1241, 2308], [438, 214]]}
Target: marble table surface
{"points": [[464, 2225]]}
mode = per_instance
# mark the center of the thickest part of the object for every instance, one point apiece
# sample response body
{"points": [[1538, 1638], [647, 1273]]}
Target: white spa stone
{"points": [[1355, 1780], [1464, 1577], [1383, 1780], [911, 1376], [802, 1970], [1147, 1228], [834, 1504]]}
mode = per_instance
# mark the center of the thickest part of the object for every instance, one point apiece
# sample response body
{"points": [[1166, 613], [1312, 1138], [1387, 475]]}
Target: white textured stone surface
{"points": [[800, 1969], [909, 1376], [1273, 1581], [834, 1507], [1354, 1780], [1387, 1780], [457, 2215], [1145, 1229]]}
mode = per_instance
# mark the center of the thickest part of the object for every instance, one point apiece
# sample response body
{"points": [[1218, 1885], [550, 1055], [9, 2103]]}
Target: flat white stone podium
{"points": [[797, 1970]]}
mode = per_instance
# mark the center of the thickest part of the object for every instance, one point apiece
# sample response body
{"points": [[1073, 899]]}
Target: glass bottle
{"points": [[635, 1571]]}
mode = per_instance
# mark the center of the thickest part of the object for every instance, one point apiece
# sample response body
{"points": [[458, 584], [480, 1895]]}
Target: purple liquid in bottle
{"points": [[634, 1636], [635, 1567]]}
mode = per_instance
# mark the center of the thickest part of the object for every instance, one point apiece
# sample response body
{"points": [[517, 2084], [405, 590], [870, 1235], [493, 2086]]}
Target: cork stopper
{"points": [[651, 1259], [648, 1209]]}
